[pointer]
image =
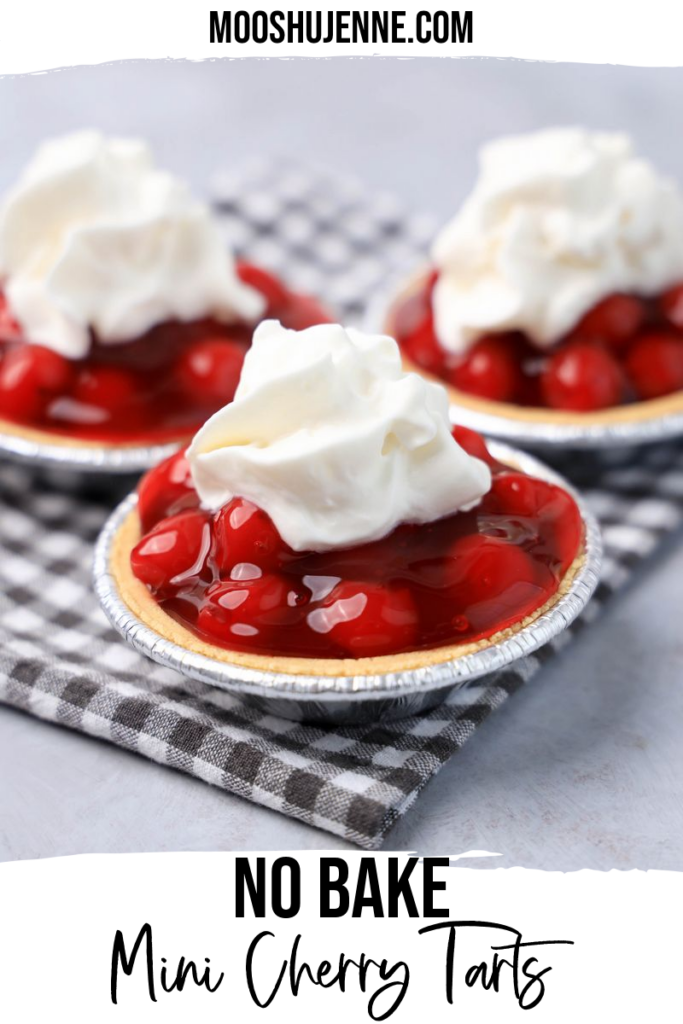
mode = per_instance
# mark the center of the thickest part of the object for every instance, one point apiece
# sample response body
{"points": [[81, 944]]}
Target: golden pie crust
{"points": [[141, 603], [633, 412], [12, 429]]}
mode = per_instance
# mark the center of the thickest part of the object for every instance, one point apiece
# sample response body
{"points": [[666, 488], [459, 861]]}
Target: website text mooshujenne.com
{"points": [[340, 27]]}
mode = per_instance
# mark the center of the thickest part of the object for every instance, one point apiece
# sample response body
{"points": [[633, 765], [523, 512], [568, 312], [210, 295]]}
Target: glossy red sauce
{"points": [[161, 386], [230, 578], [625, 349]]}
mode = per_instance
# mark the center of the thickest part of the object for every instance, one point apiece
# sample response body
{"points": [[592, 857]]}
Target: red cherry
{"points": [[173, 552], [209, 370], [423, 348], [516, 494], [244, 533], [415, 310], [582, 377], [567, 531], [295, 311], [615, 320], [248, 609], [30, 376], [474, 444], [671, 305], [655, 365], [165, 490], [414, 325], [491, 369], [490, 581], [272, 289], [106, 388], [302, 311], [367, 619]]}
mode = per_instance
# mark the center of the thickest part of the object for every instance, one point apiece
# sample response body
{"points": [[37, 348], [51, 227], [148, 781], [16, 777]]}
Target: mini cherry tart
{"points": [[159, 387], [230, 578], [625, 349]]}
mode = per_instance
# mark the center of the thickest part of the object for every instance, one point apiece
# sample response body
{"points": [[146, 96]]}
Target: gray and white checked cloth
{"points": [[59, 659]]}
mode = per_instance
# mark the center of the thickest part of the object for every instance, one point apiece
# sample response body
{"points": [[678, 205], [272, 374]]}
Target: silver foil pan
{"points": [[84, 459], [354, 699], [538, 434], [555, 436]]}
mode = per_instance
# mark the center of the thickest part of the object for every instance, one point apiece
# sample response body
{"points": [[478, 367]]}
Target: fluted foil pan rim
{"points": [[326, 691], [114, 459]]}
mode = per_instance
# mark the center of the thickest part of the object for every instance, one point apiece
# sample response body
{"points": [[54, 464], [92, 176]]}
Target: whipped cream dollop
{"points": [[93, 235], [334, 441], [557, 220]]}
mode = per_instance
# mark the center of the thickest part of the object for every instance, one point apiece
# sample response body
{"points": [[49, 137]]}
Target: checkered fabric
{"points": [[60, 661]]}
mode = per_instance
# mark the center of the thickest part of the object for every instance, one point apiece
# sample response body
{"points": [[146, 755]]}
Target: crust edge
{"points": [[143, 606]]}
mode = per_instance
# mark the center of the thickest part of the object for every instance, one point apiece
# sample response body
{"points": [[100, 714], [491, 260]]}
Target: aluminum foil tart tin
{"points": [[534, 433], [354, 699], [596, 436], [83, 458]]}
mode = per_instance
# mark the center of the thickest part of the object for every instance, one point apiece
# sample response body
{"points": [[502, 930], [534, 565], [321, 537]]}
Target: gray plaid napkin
{"points": [[61, 661]]}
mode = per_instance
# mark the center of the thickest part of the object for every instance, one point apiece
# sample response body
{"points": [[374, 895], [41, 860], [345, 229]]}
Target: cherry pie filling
{"points": [[158, 387], [230, 578], [625, 349]]}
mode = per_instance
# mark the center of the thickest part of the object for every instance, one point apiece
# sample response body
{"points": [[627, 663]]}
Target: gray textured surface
{"points": [[585, 767]]}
